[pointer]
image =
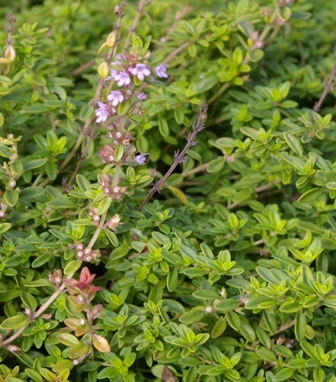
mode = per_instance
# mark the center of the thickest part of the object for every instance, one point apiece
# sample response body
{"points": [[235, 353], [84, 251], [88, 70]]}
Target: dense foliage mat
{"points": [[168, 185]]}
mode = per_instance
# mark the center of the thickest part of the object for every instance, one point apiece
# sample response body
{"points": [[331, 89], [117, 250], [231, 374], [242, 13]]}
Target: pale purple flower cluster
{"points": [[141, 159], [123, 71], [140, 70], [115, 97], [141, 96], [161, 71], [120, 72], [122, 78], [102, 113]]}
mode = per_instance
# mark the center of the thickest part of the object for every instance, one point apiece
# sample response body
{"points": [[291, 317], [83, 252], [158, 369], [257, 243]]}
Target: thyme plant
{"points": [[167, 197]]}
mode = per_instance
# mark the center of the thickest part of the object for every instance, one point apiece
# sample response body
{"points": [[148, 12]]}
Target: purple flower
{"points": [[140, 70], [161, 71], [114, 71], [142, 96], [116, 97], [141, 159], [102, 113], [122, 78]]}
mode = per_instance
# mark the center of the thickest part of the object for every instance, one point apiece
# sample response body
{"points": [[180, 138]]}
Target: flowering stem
{"points": [[116, 175], [42, 308], [53, 297], [98, 230], [87, 126], [89, 321], [179, 158]]}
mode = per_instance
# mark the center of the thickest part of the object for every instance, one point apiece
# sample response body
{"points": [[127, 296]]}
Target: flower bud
{"points": [[103, 70], [111, 39], [10, 53]]}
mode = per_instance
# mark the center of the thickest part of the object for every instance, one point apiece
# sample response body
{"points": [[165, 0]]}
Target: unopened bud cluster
{"points": [[86, 254], [116, 192]]}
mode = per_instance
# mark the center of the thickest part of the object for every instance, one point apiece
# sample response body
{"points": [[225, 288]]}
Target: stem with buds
{"points": [[180, 157]]}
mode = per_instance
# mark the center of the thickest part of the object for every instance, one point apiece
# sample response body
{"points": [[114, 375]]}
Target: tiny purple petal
{"points": [[115, 97], [113, 72], [122, 78], [142, 96], [161, 71], [102, 113], [140, 70], [141, 159]]}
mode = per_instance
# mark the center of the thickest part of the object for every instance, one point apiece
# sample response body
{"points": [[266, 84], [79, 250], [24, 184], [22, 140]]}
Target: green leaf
{"points": [[299, 363], [29, 300], [51, 170], [290, 307], [266, 355], [86, 112], [264, 338], [255, 55], [300, 326], [59, 81], [34, 164], [331, 185], [215, 165], [284, 374], [79, 350], [283, 350], [226, 305], [72, 267], [112, 237], [233, 320], [55, 103], [15, 322], [300, 15], [311, 195], [205, 294], [191, 317], [163, 127], [294, 144], [82, 182], [104, 205], [218, 329], [42, 259], [206, 83], [11, 197], [62, 202], [4, 227], [34, 375], [67, 339]]}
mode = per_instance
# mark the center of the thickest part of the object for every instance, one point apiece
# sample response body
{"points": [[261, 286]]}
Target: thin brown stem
{"points": [[266, 186], [82, 157], [179, 158], [98, 231], [219, 92], [199, 168], [82, 67], [141, 6], [176, 51], [326, 90], [258, 189]]}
